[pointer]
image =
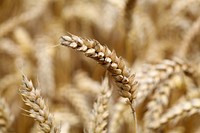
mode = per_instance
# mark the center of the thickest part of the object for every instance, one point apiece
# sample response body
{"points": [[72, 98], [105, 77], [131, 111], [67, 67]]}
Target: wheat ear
{"points": [[5, 116], [35, 12], [128, 12], [177, 112], [188, 37], [85, 84], [114, 64], [79, 102], [153, 75], [160, 99], [100, 111], [38, 109], [45, 67]]}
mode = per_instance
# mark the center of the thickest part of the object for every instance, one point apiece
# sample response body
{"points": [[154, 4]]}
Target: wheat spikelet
{"points": [[115, 65], [177, 112], [5, 116], [100, 111], [153, 75], [66, 124], [38, 110]]}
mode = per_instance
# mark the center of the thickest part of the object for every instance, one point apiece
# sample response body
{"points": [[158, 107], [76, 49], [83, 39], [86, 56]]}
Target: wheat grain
{"points": [[38, 110]]}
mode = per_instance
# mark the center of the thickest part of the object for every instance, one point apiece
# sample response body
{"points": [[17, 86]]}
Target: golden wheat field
{"points": [[99, 66]]}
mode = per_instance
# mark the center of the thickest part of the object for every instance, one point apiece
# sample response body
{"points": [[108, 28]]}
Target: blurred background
{"points": [[139, 31]]}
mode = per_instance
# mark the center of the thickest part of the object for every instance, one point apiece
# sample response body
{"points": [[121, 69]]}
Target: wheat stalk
{"points": [[38, 109], [100, 111]]}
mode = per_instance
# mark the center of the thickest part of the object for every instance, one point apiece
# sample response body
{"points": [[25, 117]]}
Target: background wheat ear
{"points": [[177, 112], [38, 108], [140, 31], [100, 112], [6, 118]]}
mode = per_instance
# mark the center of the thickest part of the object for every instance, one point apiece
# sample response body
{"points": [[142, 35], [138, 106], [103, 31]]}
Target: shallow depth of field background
{"points": [[143, 31]]}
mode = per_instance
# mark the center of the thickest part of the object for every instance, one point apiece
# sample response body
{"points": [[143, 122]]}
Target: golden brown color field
{"points": [[99, 66]]}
